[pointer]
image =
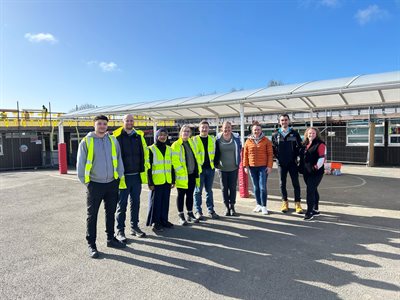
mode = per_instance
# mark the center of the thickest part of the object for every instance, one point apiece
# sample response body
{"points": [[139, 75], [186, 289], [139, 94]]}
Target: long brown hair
{"points": [[306, 140]]}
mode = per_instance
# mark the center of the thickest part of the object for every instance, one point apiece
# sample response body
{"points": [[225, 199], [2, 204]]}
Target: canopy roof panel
{"points": [[348, 92]]}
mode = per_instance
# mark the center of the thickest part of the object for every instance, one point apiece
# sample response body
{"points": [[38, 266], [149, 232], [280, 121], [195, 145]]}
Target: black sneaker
{"points": [[316, 212], [114, 243], [308, 217], [157, 227], [199, 216], [121, 237], [93, 253], [191, 218], [227, 212], [182, 220], [168, 224], [213, 215], [136, 231], [233, 211]]}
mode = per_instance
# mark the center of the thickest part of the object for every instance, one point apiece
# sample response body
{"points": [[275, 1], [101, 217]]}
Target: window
{"points": [[357, 133], [394, 132]]}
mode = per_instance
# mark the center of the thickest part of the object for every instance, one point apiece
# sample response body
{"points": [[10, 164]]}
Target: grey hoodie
{"points": [[102, 169]]}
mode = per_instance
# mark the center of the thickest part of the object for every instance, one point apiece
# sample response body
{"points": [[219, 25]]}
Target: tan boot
{"points": [[285, 206], [299, 210]]}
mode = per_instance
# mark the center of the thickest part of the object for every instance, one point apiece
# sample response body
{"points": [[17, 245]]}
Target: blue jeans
{"points": [[259, 178], [206, 181], [134, 187]]}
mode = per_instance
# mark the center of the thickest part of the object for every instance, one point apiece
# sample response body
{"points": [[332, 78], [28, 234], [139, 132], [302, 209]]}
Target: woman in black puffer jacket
{"points": [[312, 158]]}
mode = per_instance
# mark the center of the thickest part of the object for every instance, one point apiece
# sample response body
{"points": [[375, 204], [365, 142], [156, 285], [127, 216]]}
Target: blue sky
{"points": [[112, 52]]}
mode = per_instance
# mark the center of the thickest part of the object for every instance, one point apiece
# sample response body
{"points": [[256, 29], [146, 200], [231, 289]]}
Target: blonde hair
{"points": [[183, 128], [306, 140]]}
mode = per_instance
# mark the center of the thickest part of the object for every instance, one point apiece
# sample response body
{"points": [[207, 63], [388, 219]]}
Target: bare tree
{"points": [[274, 82], [82, 107]]}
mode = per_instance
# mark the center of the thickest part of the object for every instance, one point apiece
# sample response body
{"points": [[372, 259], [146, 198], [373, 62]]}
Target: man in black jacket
{"points": [[286, 145], [134, 154]]}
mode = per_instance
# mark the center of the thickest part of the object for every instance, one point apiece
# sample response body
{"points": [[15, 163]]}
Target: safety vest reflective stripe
{"points": [[89, 159], [161, 171], [178, 168], [161, 163], [162, 168]]}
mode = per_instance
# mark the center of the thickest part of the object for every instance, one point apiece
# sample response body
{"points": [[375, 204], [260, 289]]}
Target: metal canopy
{"points": [[363, 90]]}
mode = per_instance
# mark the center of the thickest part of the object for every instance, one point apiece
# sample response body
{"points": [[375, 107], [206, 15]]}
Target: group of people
{"points": [[114, 167]]}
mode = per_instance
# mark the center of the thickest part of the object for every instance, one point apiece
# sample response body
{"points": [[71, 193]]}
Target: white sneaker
{"points": [[264, 210], [257, 209]]}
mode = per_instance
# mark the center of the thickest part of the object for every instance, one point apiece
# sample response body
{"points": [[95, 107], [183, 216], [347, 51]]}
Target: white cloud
{"points": [[104, 66], [41, 37], [371, 13], [108, 67]]}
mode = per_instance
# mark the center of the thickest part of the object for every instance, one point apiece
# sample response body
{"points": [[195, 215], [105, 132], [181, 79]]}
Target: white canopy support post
{"points": [[154, 130], [242, 123], [60, 132], [311, 118], [216, 125]]}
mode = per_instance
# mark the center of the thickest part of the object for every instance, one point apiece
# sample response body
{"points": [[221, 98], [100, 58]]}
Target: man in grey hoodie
{"points": [[100, 168]]}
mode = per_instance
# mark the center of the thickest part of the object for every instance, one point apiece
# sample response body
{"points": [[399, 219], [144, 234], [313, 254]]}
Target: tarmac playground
{"points": [[350, 252]]}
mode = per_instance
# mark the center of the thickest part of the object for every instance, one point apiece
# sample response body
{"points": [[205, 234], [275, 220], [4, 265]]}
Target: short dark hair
{"points": [[284, 115], [100, 117], [204, 122]]}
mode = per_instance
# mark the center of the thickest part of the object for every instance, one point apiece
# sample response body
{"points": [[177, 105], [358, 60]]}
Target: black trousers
{"points": [[159, 204], [228, 181], [312, 182], [96, 192], [188, 193], [294, 175]]}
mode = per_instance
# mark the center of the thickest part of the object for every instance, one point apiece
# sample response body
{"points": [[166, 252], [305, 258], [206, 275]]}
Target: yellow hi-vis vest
{"points": [[210, 149], [179, 163], [162, 165], [89, 159], [143, 175]]}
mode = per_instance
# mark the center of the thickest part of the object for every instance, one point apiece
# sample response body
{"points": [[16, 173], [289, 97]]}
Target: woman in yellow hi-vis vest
{"points": [[187, 170], [161, 179]]}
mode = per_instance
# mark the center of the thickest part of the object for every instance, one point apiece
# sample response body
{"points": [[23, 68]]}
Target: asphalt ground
{"points": [[350, 252]]}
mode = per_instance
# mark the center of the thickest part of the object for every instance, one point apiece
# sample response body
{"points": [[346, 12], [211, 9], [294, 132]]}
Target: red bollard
{"points": [[62, 158], [243, 181]]}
